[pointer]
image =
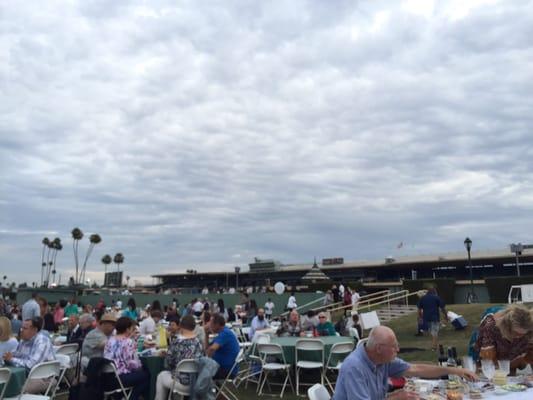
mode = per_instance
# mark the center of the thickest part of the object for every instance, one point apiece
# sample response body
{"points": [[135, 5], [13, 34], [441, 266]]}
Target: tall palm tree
{"points": [[57, 247], [94, 239], [77, 235], [118, 259], [45, 243], [54, 247], [106, 260]]}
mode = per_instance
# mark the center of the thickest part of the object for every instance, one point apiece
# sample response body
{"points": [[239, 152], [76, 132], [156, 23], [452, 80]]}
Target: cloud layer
{"points": [[206, 133]]}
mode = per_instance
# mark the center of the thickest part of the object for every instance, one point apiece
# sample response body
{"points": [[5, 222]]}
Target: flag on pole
{"points": [[400, 245]]}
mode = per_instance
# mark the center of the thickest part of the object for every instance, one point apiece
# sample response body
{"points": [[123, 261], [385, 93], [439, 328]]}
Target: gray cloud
{"points": [[188, 134]]}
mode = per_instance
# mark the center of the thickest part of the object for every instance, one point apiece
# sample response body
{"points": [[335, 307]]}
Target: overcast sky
{"points": [[200, 134]]}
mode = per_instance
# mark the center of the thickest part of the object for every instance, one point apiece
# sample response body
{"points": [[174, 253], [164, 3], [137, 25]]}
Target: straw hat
{"points": [[108, 318]]}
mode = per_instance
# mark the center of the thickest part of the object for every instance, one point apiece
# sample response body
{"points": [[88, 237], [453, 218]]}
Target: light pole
{"points": [[517, 250], [237, 270], [472, 295]]}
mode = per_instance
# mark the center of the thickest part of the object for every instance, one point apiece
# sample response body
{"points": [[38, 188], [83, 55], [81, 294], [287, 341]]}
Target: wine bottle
{"points": [[451, 361], [442, 356], [454, 354]]}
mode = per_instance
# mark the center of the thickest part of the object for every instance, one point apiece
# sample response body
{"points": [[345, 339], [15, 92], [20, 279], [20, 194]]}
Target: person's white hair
{"points": [[86, 318]]}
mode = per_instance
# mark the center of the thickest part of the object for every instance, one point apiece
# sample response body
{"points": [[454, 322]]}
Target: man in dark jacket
{"points": [[428, 311]]}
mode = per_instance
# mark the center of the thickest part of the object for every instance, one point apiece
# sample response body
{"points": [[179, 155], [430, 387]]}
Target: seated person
{"points": [[7, 342], [123, 351], [95, 341], [173, 328], [84, 326], [365, 372], [185, 346], [224, 348], [34, 348], [293, 326], [259, 323], [309, 321], [148, 325], [73, 327], [325, 327], [506, 335]]}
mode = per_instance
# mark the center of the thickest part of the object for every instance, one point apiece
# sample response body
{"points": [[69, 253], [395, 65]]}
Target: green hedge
{"points": [[445, 288], [499, 287]]}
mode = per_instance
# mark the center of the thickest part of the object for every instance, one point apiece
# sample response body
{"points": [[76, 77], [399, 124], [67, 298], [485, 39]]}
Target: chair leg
{"points": [[284, 384], [297, 381], [263, 383]]}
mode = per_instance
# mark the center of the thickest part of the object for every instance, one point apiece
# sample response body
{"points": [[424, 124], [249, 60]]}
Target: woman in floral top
{"points": [[505, 335], [185, 346], [122, 350]]}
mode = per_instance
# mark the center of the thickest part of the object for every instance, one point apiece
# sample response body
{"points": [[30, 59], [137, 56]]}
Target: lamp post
{"points": [[237, 270], [472, 295]]}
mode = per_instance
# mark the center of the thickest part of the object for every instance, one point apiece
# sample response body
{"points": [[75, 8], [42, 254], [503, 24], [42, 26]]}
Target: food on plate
{"points": [[454, 395], [475, 394], [514, 387], [453, 385]]}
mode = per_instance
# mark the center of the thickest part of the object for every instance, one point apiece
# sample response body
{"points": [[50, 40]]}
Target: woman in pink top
{"points": [[59, 314], [122, 350]]}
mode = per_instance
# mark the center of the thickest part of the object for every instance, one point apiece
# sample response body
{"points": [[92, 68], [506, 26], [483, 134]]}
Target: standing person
{"points": [[336, 294], [221, 309], [365, 373], [291, 303], [347, 298], [428, 311], [269, 309], [123, 351], [197, 307], [31, 308], [355, 300], [59, 312]]}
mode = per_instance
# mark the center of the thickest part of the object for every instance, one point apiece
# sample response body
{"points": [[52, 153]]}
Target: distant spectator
{"points": [[59, 314], [156, 305], [131, 310], [328, 298], [252, 310], [428, 311], [31, 308], [269, 309], [355, 300], [231, 315], [292, 327], [336, 294], [291, 303], [310, 321], [197, 307], [71, 308], [173, 328], [148, 326], [325, 327], [221, 309]]}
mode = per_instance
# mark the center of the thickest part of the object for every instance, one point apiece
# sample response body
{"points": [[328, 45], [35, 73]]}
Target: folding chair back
{"points": [[309, 345], [270, 349], [110, 368], [188, 366], [318, 392], [338, 350], [44, 370], [68, 349], [302, 359], [5, 375], [361, 342]]}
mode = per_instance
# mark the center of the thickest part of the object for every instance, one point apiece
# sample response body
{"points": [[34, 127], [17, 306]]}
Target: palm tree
{"points": [[57, 247], [127, 281], [77, 235], [94, 239], [118, 259], [106, 260], [54, 246], [45, 243]]}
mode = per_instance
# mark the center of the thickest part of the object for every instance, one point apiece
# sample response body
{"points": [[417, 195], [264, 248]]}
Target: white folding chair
{"points": [[318, 392], [361, 342], [265, 351], [5, 375], [68, 357], [252, 371], [45, 370], [307, 346], [337, 354], [188, 366], [110, 368]]}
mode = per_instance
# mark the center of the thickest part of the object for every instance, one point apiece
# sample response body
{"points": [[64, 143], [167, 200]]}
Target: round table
{"points": [[288, 345], [16, 382]]}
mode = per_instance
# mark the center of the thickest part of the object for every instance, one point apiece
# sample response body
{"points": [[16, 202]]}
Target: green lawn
{"points": [[405, 329]]}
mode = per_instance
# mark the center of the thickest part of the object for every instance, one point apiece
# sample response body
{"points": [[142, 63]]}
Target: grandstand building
{"points": [[265, 272]]}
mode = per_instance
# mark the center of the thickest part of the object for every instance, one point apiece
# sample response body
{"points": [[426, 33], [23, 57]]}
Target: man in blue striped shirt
{"points": [[34, 348]]}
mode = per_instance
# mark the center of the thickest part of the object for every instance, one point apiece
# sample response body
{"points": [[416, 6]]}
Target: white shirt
{"points": [[355, 298], [269, 306], [198, 306], [341, 290], [119, 304], [292, 302], [147, 326]]}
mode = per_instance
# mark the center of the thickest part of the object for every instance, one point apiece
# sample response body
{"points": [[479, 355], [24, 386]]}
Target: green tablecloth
{"points": [[14, 386], [154, 365], [289, 343]]}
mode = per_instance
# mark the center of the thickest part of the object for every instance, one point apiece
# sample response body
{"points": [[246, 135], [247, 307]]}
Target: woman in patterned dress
{"points": [[122, 350]]}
